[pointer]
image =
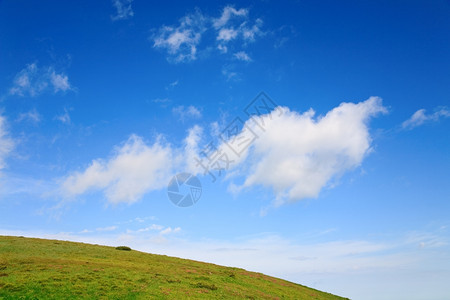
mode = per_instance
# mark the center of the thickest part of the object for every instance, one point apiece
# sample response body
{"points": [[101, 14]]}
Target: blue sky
{"points": [[341, 186]]}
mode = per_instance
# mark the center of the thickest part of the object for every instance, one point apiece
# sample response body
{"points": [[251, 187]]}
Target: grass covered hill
{"points": [[50, 269]]}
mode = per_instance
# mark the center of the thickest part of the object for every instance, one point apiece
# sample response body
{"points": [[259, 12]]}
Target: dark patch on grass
{"points": [[204, 285], [202, 278], [124, 248]]}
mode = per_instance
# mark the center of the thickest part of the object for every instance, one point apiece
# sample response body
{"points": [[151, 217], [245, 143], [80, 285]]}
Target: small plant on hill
{"points": [[125, 248]]}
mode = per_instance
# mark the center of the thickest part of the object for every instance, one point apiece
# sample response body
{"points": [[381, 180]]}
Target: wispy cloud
{"points": [[420, 117], [169, 230], [31, 116], [230, 73], [6, 143], [189, 112], [227, 34], [108, 228], [172, 85], [227, 13], [151, 227], [231, 30], [163, 102], [241, 55], [32, 81], [181, 41], [64, 118], [234, 24], [60, 82], [123, 9]]}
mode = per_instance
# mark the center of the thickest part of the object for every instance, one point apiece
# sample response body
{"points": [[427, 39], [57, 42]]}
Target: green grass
{"points": [[51, 269]]}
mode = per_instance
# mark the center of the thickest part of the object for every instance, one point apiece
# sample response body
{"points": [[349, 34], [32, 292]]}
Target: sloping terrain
{"points": [[50, 269]]}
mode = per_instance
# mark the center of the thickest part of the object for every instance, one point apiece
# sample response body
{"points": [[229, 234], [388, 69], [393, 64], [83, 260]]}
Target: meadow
{"points": [[33, 268]]}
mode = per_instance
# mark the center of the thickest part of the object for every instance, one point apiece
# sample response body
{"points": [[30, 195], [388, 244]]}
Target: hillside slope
{"points": [[50, 269]]}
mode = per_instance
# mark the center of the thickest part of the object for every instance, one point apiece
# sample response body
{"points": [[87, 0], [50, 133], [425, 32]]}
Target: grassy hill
{"points": [[51, 269]]}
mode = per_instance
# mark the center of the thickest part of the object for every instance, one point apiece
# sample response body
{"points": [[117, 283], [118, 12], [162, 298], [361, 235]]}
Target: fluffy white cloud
{"points": [[33, 80], [181, 41], [6, 143], [187, 112], [297, 154], [294, 154], [420, 117], [124, 10], [135, 169], [241, 55]]}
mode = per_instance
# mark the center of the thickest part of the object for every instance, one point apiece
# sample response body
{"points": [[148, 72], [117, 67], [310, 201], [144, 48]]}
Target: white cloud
{"points": [[187, 112], [124, 10], [32, 116], [232, 28], [169, 230], [33, 81], [229, 73], [222, 48], [298, 154], [235, 30], [294, 154], [6, 143], [108, 228], [191, 149], [249, 34], [420, 117], [163, 102], [151, 227], [135, 169], [172, 85], [227, 34], [227, 13], [28, 81], [64, 118], [181, 41], [60, 82], [241, 55]]}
